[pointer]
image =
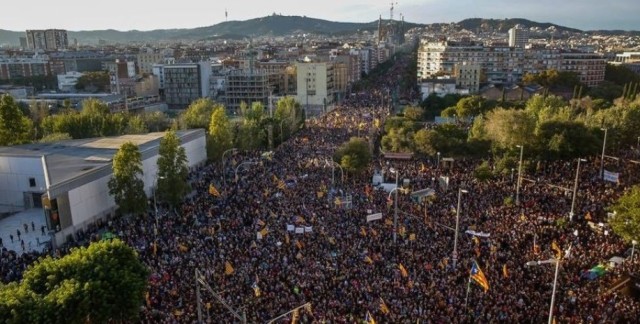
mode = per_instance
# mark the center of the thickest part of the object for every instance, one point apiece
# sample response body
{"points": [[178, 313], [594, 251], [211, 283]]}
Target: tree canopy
{"points": [[126, 186], [101, 283], [15, 127], [220, 135], [626, 221], [354, 156], [172, 170]]}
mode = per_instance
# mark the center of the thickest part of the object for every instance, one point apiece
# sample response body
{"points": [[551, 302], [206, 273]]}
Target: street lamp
{"points": [[395, 213], [575, 189], [455, 240], [555, 281], [604, 145], [633, 248], [224, 178], [333, 168], [240, 165], [519, 175], [155, 207], [438, 166]]}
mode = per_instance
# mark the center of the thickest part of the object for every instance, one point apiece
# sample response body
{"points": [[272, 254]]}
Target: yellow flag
{"points": [[368, 260], [299, 244], [228, 268], [294, 317], [286, 238], [403, 270], [557, 249], [383, 307], [264, 232], [363, 231], [505, 272], [412, 237], [281, 185], [213, 191]]}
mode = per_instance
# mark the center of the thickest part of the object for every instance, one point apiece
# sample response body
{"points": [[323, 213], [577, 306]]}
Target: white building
{"points": [[518, 36], [67, 82], [315, 86], [69, 179]]}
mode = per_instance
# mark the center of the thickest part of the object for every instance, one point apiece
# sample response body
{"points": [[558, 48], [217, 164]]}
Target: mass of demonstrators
{"points": [[292, 229]]}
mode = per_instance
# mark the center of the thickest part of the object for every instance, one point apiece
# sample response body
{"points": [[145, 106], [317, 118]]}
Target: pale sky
{"points": [[123, 15]]}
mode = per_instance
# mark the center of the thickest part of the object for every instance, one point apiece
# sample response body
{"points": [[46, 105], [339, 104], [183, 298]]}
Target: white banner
{"points": [[308, 229], [474, 233], [290, 228], [299, 230], [373, 217], [611, 176]]}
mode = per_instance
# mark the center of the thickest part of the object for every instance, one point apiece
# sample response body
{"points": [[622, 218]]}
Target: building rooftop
{"points": [[70, 159]]}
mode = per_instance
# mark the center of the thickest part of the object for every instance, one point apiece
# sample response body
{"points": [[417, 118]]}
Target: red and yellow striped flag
{"points": [[403, 270], [228, 268]]}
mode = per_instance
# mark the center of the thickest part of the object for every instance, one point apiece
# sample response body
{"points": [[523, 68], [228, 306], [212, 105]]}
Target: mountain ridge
{"points": [[279, 25]]}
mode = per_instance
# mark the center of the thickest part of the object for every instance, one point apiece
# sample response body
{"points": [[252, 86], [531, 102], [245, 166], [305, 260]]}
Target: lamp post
{"points": [[555, 282], [333, 177], [395, 212], [512, 169], [604, 145], [575, 189], [240, 165], [519, 175], [455, 239], [155, 207], [224, 178], [633, 248], [438, 166]]}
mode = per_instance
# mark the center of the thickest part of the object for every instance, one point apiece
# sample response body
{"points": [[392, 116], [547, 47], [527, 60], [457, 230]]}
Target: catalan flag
{"points": [[368, 259], [286, 238], [403, 270], [213, 191], [557, 249], [412, 237], [281, 185], [299, 244], [264, 232], [478, 276], [369, 319], [294, 316], [505, 272], [363, 231], [383, 307], [228, 268], [256, 288]]}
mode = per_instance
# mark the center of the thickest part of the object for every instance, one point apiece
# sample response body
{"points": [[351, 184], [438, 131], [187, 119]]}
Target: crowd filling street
{"points": [[292, 230]]}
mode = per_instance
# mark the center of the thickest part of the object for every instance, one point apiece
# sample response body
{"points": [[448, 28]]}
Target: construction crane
{"points": [[391, 10]]}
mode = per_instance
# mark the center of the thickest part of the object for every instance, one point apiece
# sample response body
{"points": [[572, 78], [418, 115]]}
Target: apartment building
{"points": [[629, 59], [518, 36], [316, 86], [282, 77], [146, 61], [67, 81], [440, 58], [13, 68], [48, 39], [184, 83], [467, 76], [246, 86], [589, 66]]}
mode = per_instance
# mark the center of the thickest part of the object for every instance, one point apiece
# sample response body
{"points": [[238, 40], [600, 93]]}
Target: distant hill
{"points": [[503, 25], [275, 25]]}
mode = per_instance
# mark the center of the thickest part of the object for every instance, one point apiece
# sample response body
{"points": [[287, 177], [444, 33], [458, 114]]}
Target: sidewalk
{"points": [[9, 225]]}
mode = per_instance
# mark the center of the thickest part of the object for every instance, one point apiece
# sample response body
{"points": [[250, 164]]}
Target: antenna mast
{"points": [[226, 14], [391, 10]]}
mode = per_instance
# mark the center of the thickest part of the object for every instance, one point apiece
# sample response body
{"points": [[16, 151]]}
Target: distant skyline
{"points": [[76, 15]]}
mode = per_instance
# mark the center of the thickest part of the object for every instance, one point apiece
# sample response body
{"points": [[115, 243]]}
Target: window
{"points": [[32, 182]]}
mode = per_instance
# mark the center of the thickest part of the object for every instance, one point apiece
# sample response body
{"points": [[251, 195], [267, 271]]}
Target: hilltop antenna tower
{"points": [[391, 10], [226, 14]]}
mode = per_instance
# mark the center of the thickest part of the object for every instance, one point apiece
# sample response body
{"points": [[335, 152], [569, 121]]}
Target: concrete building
{"points": [[589, 66], [315, 86], [146, 61], [48, 39], [439, 58], [467, 76], [246, 86], [69, 179], [518, 36], [185, 83], [67, 82], [11, 68]]}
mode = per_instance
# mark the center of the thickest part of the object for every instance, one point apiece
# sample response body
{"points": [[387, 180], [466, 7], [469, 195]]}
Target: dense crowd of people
{"points": [[345, 267]]}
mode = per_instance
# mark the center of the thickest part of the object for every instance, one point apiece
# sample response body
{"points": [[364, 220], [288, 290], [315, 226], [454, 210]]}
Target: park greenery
{"points": [[626, 219], [126, 185], [102, 283], [173, 170], [354, 156]]}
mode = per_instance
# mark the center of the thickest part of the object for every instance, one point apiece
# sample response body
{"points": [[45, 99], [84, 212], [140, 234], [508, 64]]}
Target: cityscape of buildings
{"points": [[318, 70]]}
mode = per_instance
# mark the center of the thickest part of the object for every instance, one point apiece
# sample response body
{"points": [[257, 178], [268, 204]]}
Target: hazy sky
{"points": [[160, 14]]}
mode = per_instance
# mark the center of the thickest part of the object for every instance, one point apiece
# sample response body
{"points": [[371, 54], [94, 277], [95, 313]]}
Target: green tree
{"points": [[172, 170], [397, 140], [136, 125], [289, 115], [94, 82], [354, 156], [126, 185], [198, 114], [156, 121], [220, 135], [483, 173], [471, 106], [413, 113], [15, 127], [102, 283], [508, 128], [626, 221], [55, 137]]}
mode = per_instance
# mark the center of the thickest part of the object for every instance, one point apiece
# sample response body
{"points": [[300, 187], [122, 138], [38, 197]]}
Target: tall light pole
{"points": [[224, 178], [155, 207], [519, 175], [633, 248], [455, 239], [575, 189], [438, 165], [555, 282], [395, 213], [604, 145]]}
